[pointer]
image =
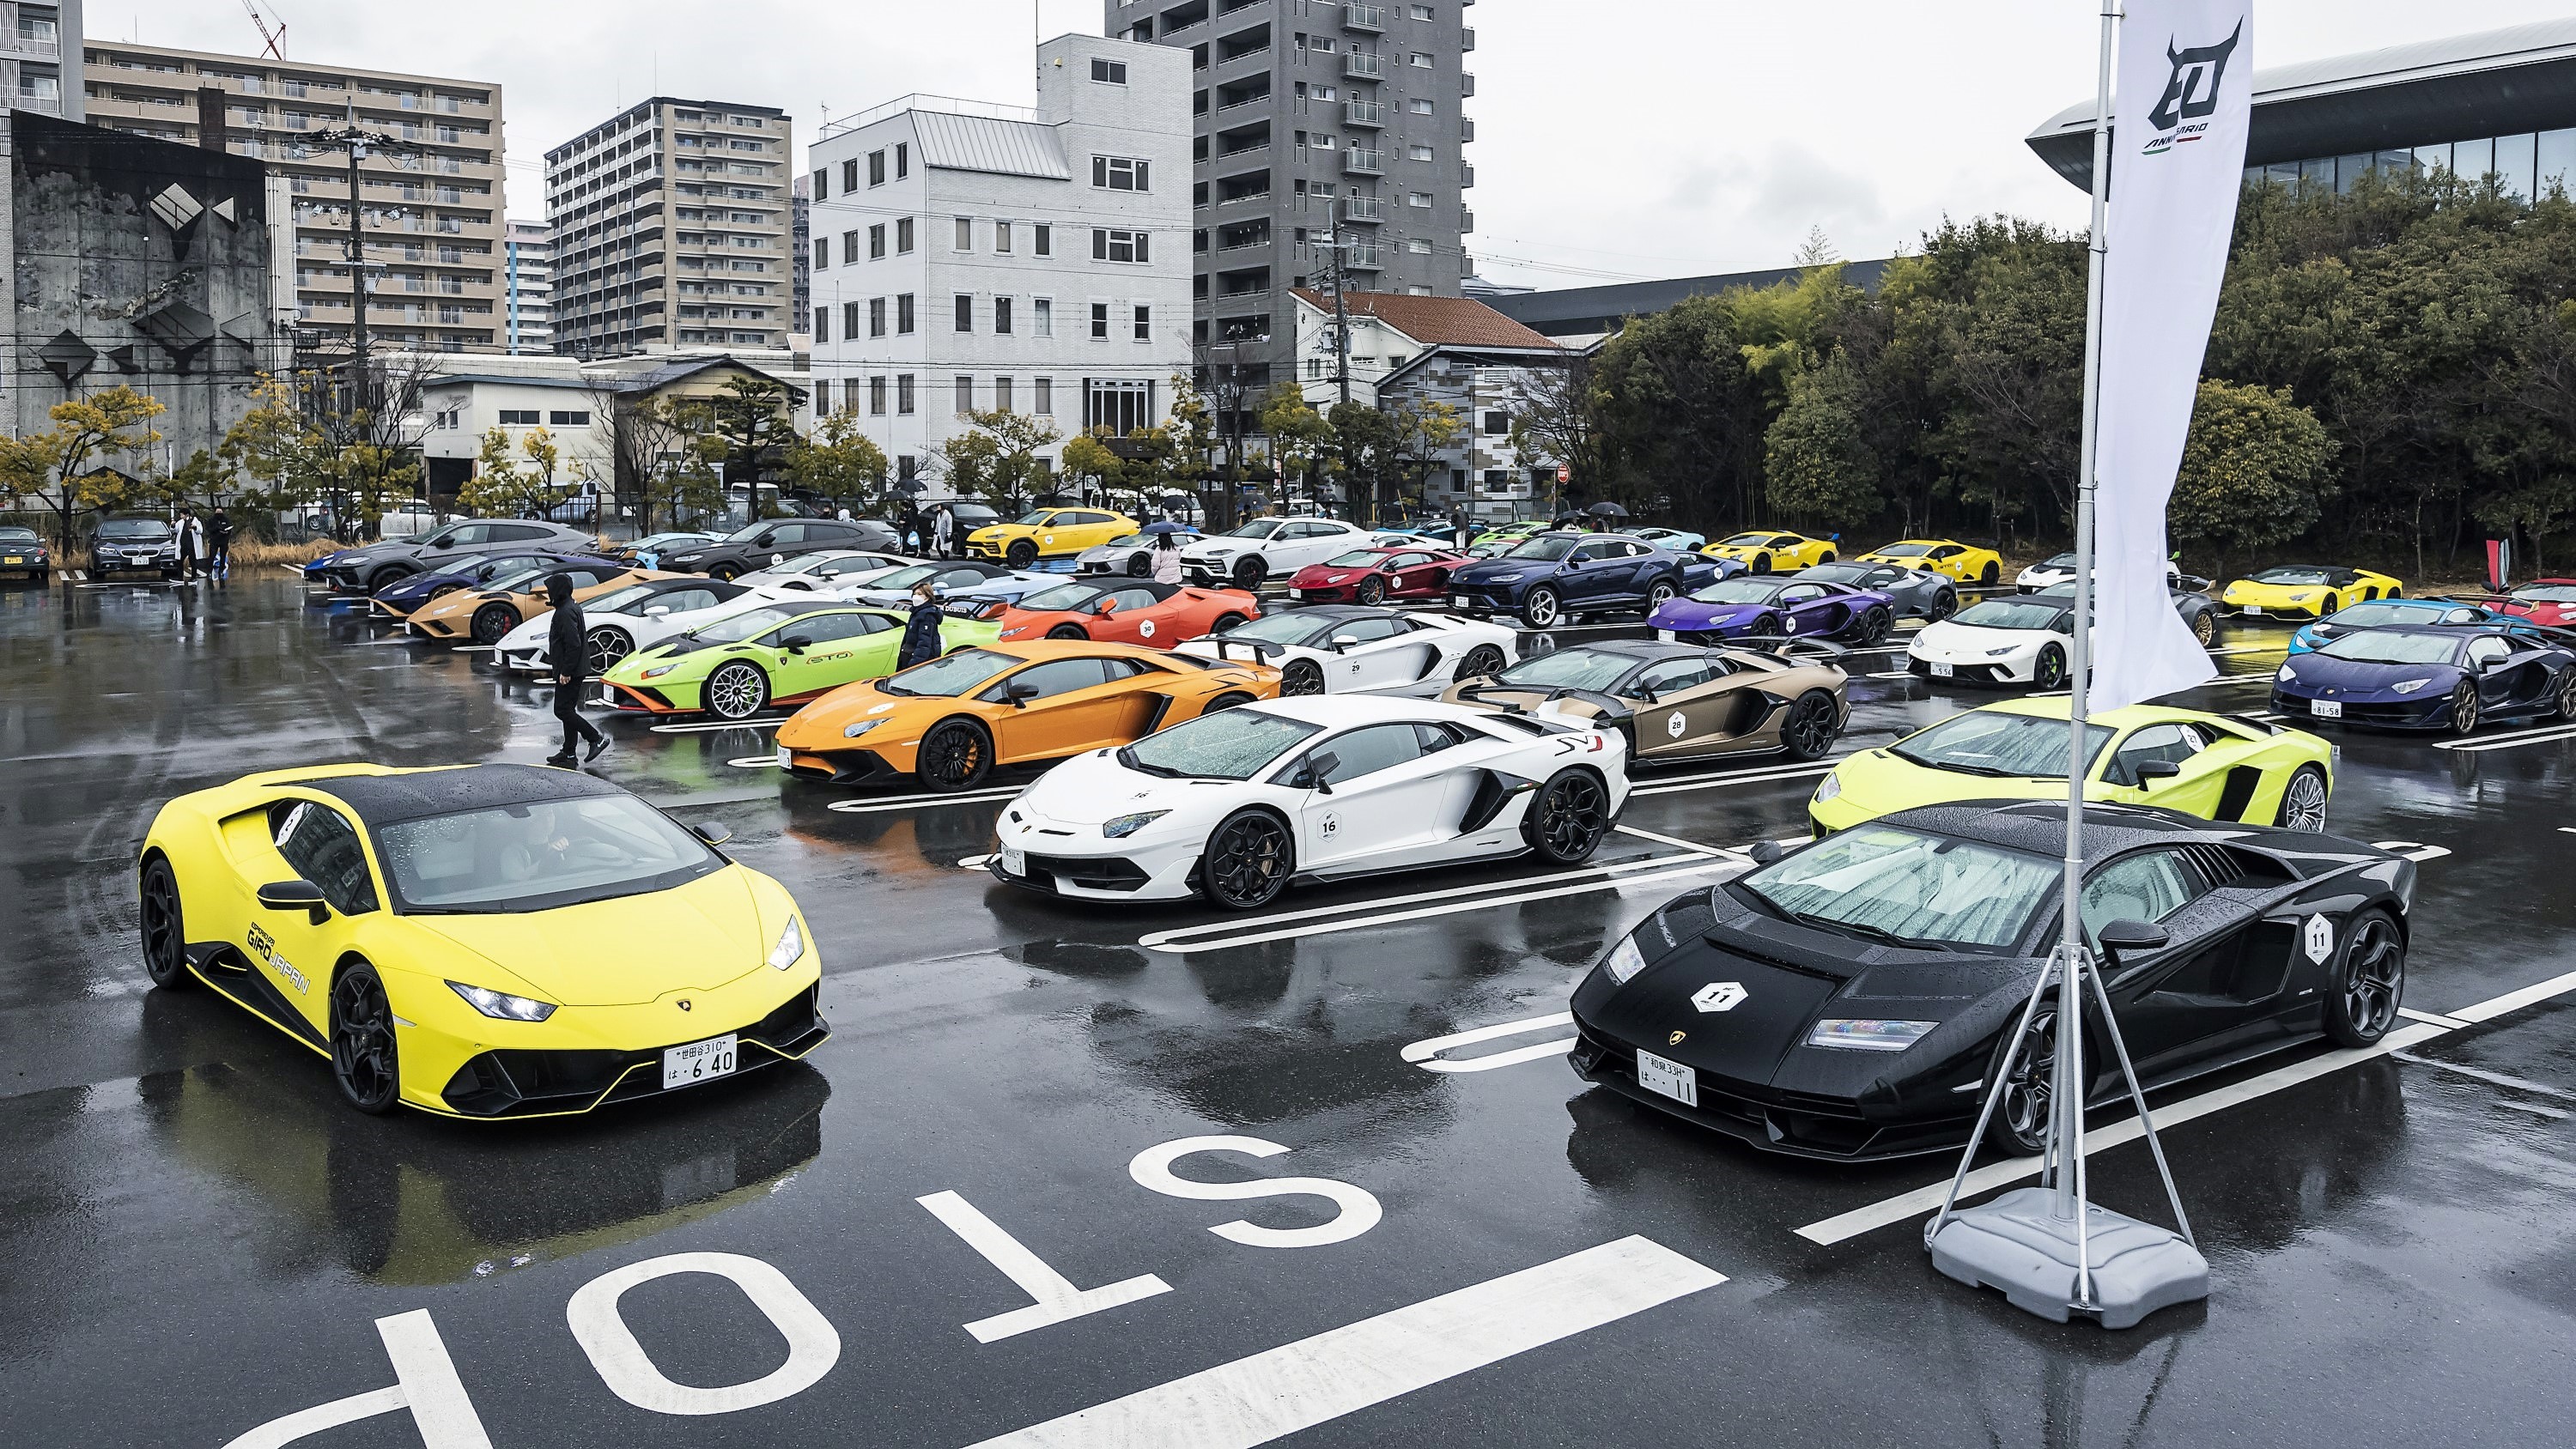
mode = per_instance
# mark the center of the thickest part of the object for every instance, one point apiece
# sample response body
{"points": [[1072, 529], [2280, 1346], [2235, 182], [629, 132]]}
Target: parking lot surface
{"points": [[1165, 1176]]}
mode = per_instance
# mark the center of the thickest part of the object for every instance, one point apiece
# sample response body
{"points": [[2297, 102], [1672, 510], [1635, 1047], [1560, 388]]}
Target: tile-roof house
{"points": [[1390, 329]]}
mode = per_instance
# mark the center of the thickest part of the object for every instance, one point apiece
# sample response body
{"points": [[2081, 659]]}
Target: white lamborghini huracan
{"points": [[1349, 648], [1234, 805]]}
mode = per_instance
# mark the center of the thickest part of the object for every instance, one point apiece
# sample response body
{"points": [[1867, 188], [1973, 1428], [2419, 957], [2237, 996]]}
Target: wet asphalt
{"points": [[196, 1239]]}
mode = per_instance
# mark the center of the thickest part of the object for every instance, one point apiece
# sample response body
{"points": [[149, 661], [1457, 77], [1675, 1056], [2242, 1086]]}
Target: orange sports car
{"points": [[1127, 611], [485, 614], [1011, 702]]}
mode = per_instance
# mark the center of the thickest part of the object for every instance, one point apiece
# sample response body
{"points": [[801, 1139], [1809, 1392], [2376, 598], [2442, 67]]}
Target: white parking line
{"points": [[1269, 1395], [923, 802], [1675, 841], [1926, 1199], [701, 727], [1170, 941], [1426, 1054], [1743, 777], [2508, 742], [2492, 1079]]}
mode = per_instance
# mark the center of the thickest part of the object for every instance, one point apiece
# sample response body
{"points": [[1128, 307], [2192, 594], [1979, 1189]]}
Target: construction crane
{"points": [[275, 39]]}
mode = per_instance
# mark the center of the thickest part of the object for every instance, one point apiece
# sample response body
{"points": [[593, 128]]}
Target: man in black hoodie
{"points": [[568, 655]]}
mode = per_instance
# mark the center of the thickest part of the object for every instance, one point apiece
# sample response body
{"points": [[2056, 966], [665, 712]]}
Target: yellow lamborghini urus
{"points": [[479, 941]]}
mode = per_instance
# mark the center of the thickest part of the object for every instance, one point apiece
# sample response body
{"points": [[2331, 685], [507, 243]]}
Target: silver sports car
{"points": [[1913, 593]]}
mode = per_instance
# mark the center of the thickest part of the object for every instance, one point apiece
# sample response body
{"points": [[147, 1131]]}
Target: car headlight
{"points": [[658, 670], [1126, 825], [501, 1004], [852, 732], [2302, 596], [791, 946], [1011, 633], [1504, 579], [2286, 675], [1828, 788], [2000, 653], [1863, 1035], [1624, 960], [2410, 686]]}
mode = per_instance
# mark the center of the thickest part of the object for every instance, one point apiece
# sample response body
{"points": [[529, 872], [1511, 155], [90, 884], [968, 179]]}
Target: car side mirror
{"points": [[1344, 641], [2152, 770], [1317, 776], [798, 643], [2493, 666], [657, 611], [1108, 606], [711, 832], [2132, 938], [296, 895], [1021, 694], [1766, 852]]}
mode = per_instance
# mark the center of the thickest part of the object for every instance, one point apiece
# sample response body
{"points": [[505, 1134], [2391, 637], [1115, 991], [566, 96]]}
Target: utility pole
{"points": [[1341, 307], [360, 143]]}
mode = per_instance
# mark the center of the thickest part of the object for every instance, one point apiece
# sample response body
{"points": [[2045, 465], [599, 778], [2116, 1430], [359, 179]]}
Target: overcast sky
{"points": [[1616, 138]]}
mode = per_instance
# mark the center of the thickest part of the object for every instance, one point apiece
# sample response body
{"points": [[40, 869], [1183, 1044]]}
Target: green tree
{"points": [[1016, 445], [751, 417], [1821, 473], [512, 478], [115, 421], [1299, 437], [2251, 470], [840, 461], [1086, 456]]}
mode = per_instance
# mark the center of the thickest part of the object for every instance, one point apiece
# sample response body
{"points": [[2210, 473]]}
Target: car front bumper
{"points": [[2417, 713], [1078, 863], [555, 1081], [1795, 1124]]}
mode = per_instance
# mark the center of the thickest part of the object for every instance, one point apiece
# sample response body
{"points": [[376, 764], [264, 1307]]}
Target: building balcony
{"points": [[1364, 65], [28, 47], [1467, 38], [1363, 161], [1469, 178], [1371, 18], [1368, 114], [1467, 128], [1362, 257], [1467, 84], [1466, 220], [1371, 209]]}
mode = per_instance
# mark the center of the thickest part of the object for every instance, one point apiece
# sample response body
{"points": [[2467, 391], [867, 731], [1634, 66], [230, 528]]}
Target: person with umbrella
{"points": [[1602, 513], [1166, 551]]}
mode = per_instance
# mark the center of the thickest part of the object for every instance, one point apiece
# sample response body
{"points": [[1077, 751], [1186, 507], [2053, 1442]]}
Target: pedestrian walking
{"points": [[1167, 558], [1460, 530], [943, 532], [843, 514], [219, 543], [192, 544], [568, 656], [921, 640]]}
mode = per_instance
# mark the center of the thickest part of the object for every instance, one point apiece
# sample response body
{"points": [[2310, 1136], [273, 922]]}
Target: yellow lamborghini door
{"points": [[2165, 764], [310, 841]]}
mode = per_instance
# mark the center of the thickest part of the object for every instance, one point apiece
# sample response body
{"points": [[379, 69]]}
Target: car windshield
{"points": [[2011, 614], [1257, 528], [2292, 576], [620, 601], [134, 529], [747, 625], [1994, 742], [1034, 519], [1905, 550], [538, 857], [513, 578], [1545, 547], [1836, 573], [1125, 541], [1577, 668], [1062, 597], [1365, 558], [1737, 591], [750, 531], [947, 678], [2392, 647], [17, 535], [2062, 563], [1235, 744], [1748, 540], [1886, 883], [1292, 628], [904, 578], [2534, 593], [2372, 615], [807, 564]]}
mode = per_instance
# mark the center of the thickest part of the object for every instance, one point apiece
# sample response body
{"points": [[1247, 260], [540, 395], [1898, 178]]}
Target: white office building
{"points": [[529, 282], [968, 255]]}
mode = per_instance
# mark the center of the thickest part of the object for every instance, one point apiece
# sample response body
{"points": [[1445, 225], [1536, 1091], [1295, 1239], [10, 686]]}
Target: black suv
{"points": [[775, 540]]}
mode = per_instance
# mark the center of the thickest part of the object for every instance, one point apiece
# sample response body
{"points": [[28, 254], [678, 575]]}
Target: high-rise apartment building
{"points": [[1316, 118], [431, 205], [800, 240], [975, 257], [33, 41], [672, 229], [528, 274]]}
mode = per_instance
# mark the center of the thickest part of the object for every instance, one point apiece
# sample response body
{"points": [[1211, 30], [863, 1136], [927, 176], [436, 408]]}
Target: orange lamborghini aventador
{"points": [[1011, 702], [485, 614], [1127, 611]]}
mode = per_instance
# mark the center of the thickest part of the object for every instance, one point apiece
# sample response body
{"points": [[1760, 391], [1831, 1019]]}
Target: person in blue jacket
{"points": [[921, 641]]}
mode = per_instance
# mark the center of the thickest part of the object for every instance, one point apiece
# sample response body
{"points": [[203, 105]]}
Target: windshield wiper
{"points": [[1875, 933], [1988, 771], [1127, 757]]}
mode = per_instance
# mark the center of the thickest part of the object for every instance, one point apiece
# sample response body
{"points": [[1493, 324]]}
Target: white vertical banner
{"points": [[2185, 94]]}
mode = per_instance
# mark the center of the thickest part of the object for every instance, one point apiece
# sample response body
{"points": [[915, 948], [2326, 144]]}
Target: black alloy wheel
{"points": [[1762, 563], [607, 645], [1302, 676], [956, 755], [2464, 708], [1371, 590], [2567, 693], [1993, 574], [1022, 553], [1567, 821], [1249, 859], [2363, 1003], [2020, 1122], [365, 1059], [165, 928], [2332, 605], [2050, 670], [2303, 801], [1067, 631], [1945, 602], [1814, 723], [492, 621], [1249, 572], [1875, 624], [1139, 566], [736, 690], [1541, 608], [1767, 627], [1481, 661], [1226, 701], [388, 576]]}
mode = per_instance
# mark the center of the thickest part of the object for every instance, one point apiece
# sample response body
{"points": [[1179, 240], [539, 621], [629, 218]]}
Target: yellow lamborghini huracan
{"points": [[482, 940], [1965, 562]]}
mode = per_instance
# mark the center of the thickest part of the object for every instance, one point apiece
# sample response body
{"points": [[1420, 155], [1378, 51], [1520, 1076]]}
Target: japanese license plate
{"points": [[1298, 594], [1014, 862], [784, 755], [699, 1061], [1457, 601], [608, 697], [1944, 671], [2254, 611], [13, 558], [1670, 1078], [2326, 708]]}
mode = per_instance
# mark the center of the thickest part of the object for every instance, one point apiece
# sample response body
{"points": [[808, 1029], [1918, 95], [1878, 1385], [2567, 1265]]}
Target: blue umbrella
{"points": [[1165, 526]]}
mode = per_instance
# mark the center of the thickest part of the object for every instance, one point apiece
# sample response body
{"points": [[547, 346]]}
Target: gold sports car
{"points": [[488, 614], [1677, 701], [480, 940]]}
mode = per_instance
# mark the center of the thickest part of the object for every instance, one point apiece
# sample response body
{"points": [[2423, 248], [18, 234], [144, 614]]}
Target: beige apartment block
{"points": [[431, 209], [672, 230]]}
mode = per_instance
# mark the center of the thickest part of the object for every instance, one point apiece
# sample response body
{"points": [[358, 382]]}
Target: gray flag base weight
{"points": [[2048, 1250]]}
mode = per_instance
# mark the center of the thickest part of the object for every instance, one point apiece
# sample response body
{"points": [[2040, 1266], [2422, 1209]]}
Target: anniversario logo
{"points": [[2191, 96]]}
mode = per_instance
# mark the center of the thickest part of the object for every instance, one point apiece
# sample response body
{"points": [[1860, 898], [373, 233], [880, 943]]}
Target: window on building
{"points": [[965, 234], [518, 417], [822, 324], [907, 467], [876, 168], [877, 396], [876, 318], [903, 400], [822, 253], [902, 159], [1042, 239], [1001, 316], [1420, 153], [1119, 405], [1109, 72], [1118, 173], [965, 394], [876, 241], [903, 323], [1419, 105], [1144, 324], [965, 311], [823, 184], [1420, 12], [1044, 403], [1325, 141], [903, 236], [1417, 198], [1418, 61], [1041, 317], [576, 418], [1108, 245], [1497, 424], [1420, 246], [1002, 238], [1001, 394], [1100, 320]]}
